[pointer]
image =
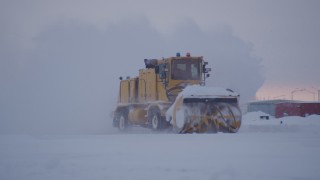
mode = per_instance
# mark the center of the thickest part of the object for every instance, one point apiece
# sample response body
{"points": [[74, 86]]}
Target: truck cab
{"points": [[178, 72]]}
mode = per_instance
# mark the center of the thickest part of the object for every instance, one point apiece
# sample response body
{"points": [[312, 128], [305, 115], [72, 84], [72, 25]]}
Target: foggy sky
{"points": [[60, 62]]}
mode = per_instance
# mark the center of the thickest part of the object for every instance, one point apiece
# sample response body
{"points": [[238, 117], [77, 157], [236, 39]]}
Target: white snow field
{"points": [[262, 149]]}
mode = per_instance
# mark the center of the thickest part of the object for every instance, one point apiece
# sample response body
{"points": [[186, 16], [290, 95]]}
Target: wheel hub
{"points": [[155, 122]]}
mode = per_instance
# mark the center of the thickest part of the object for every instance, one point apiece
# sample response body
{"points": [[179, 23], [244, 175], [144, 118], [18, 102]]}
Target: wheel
{"points": [[154, 119], [122, 118]]}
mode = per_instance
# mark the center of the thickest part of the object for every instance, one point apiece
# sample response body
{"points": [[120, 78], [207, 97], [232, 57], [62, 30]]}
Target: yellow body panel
{"points": [[147, 85], [124, 91]]}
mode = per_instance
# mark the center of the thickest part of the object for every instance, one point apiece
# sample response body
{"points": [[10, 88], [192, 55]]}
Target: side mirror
{"points": [[207, 70], [156, 69], [204, 69]]}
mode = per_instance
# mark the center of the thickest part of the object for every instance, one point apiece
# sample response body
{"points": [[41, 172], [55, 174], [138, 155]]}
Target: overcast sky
{"points": [[60, 60], [283, 33]]}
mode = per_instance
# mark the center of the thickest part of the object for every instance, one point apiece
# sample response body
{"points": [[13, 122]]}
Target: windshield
{"points": [[185, 69]]}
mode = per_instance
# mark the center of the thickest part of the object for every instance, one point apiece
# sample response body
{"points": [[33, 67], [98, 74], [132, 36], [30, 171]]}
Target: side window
{"points": [[194, 71], [182, 67], [162, 71], [179, 71]]}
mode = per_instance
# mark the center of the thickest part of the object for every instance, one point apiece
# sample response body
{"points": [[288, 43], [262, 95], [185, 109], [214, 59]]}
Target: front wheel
{"points": [[155, 120]]}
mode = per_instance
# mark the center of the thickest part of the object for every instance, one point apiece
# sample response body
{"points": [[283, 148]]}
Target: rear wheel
{"points": [[122, 118]]}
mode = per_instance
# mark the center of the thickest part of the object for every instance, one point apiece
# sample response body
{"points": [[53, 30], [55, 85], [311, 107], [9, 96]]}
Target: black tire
{"points": [[155, 120]]}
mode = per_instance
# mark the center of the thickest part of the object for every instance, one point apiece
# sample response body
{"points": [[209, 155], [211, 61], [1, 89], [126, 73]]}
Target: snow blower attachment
{"points": [[170, 93], [216, 111]]}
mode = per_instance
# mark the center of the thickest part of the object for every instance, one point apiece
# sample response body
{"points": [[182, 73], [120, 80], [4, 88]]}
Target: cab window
{"points": [[186, 69]]}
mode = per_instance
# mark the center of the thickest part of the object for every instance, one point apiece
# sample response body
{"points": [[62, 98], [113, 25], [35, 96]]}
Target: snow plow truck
{"points": [[170, 93]]}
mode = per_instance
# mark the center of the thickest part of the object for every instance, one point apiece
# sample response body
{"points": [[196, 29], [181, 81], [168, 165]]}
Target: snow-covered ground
{"points": [[262, 149]]}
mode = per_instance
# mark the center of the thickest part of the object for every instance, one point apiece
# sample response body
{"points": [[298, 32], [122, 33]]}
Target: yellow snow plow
{"points": [[170, 94]]}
